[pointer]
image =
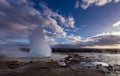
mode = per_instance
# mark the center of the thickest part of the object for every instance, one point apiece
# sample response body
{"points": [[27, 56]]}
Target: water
{"points": [[98, 58], [101, 57], [58, 56]]}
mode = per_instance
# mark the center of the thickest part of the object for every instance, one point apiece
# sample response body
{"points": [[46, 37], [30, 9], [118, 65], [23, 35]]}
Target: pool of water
{"points": [[103, 57]]}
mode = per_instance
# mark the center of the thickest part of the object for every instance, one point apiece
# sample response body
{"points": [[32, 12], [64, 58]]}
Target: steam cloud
{"points": [[38, 45], [18, 19], [11, 51]]}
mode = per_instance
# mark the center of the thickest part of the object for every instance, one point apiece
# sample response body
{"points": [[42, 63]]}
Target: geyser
{"points": [[38, 46]]}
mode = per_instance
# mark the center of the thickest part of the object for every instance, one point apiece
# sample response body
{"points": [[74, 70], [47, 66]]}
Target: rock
{"points": [[72, 59], [110, 68], [12, 64], [15, 64], [116, 67], [61, 63], [103, 69]]}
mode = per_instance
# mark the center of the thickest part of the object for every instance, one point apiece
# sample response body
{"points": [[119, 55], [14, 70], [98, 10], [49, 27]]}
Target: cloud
{"points": [[19, 18], [68, 22], [72, 38], [55, 27], [99, 40], [69, 38], [50, 40], [77, 4], [117, 0], [116, 24], [89, 3], [103, 39]]}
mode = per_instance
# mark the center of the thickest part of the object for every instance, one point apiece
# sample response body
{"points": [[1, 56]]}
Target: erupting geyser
{"points": [[38, 46]]}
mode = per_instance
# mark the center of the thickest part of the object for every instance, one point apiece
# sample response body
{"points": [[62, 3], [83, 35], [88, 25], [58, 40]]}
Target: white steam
{"points": [[38, 46], [11, 51]]}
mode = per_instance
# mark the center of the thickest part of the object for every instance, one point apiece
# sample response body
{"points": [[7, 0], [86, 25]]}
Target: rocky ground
{"points": [[68, 66]]}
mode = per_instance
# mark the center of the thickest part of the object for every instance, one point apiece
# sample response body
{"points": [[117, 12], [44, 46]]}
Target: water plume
{"points": [[38, 46]]}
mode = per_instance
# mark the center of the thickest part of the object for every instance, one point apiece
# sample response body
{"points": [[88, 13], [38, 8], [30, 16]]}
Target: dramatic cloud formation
{"points": [[68, 22], [104, 39], [19, 18], [70, 38], [88, 3], [110, 38], [100, 40]]}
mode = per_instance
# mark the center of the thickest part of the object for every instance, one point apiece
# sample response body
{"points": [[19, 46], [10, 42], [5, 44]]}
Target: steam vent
{"points": [[38, 46]]}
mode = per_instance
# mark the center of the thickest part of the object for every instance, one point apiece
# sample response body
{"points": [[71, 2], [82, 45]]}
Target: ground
{"points": [[42, 67]]}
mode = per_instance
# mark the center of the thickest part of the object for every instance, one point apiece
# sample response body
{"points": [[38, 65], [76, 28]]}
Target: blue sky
{"points": [[96, 17], [75, 23]]}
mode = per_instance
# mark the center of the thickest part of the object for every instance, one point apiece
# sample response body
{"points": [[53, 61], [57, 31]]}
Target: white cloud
{"points": [[104, 39], [19, 18], [102, 2], [88, 3], [116, 24], [117, 1], [68, 22], [70, 38], [53, 18], [50, 40], [55, 27], [73, 38]]}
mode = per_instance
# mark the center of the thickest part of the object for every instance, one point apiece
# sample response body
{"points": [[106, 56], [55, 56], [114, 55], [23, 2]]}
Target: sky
{"points": [[73, 23]]}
